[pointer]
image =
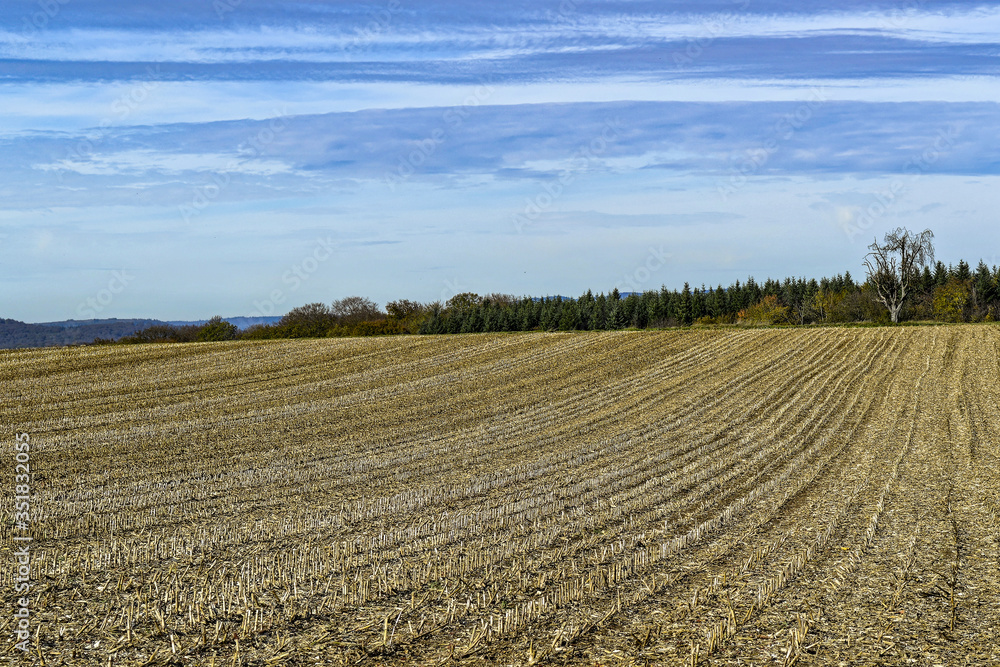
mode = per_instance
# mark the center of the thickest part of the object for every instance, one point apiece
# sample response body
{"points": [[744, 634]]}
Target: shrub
{"points": [[951, 301], [260, 332], [766, 311], [217, 329], [378, 328]]}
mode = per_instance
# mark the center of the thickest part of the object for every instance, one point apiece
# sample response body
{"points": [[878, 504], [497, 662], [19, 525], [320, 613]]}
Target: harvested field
{"points": [[766, 497]]}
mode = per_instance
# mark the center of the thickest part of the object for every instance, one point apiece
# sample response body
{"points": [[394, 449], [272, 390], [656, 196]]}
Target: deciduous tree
{"points": [[312, 320], [217, 329], [353, 310], [951, 301], [894, 266], [766, 311]]}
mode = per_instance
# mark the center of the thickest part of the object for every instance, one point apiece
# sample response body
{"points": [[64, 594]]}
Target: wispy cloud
{"points": [[514, 44], [521, 142]]}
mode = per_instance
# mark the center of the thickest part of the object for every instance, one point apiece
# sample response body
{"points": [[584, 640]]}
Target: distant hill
{"points": [[72, 324], [240, 322], [16, 334]]}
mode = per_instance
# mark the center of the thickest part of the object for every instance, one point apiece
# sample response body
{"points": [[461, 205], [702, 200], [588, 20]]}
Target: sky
{"points": [[178, 160]]}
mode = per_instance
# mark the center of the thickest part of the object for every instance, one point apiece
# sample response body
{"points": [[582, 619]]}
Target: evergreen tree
{"points": [[629, 305], [718, 306], [550, 315], [927, 281], [699, 304], [664, 303], [472, 320], [568, 320], [940, 274], [773, 287], [585, 312], [752, 291], [734, 298], [599, 321], [711, 301], [528, 319], [640, 317], [616, 316], [656, 310], [685, 312], [453, 321], [493, 319], [984, 290], [431, 324]]}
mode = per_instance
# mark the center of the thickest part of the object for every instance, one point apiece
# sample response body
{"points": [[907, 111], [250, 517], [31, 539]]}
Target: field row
{"points": [[809, 496]]}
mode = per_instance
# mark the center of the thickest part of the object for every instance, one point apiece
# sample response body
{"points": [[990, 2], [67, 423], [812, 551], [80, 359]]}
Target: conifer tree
{"points": [[927, 281], [940, 274], [684, 309]]}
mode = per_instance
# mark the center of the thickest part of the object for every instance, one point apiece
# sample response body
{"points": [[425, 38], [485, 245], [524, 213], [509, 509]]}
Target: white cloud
{"points": [[401, 44], [144, 161], [73, 106]]}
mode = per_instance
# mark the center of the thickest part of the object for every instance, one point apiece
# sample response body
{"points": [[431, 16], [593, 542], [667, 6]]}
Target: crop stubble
{"points": [[814, 496]]}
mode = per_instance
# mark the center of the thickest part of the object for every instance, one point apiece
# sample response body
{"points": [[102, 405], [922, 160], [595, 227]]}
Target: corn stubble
{"points": [[819, 497]]}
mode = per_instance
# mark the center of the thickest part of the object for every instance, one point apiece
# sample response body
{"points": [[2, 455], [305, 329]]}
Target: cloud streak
{"points": [[533, 142]]}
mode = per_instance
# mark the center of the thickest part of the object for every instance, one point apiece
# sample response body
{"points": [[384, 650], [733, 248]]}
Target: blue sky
{"points": [[198, 157]]}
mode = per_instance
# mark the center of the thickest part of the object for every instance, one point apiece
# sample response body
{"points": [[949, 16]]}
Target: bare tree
{"points": [[404, 308], [309, 321], [895, 266], [463, 301], [408, 314], [353, 310], [498, 298]]}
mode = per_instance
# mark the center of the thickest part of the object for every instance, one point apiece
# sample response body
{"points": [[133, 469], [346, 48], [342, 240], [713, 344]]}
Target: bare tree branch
{"points": [[895, 266]]}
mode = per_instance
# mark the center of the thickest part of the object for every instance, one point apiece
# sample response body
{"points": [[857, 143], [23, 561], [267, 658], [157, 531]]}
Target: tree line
{"points": [[944, 294], [902, 283]]}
